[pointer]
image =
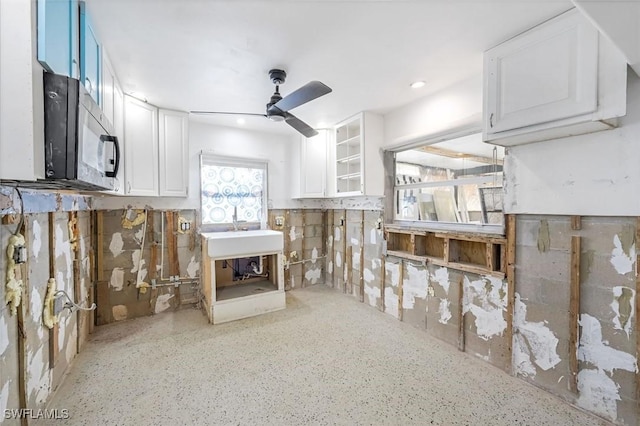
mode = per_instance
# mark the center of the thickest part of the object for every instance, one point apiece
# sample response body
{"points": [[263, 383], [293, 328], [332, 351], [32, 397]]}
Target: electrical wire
{"points": [[70, 304], [21, 223]]}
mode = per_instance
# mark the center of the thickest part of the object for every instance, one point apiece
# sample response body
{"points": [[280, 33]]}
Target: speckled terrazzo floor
{"points": [[326, 359]]}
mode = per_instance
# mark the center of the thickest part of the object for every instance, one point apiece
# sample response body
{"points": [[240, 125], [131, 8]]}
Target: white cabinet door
{"points": [[313, 166], [118, 127], [141, 148], [546, 74], [174, 152], [108, 88]]}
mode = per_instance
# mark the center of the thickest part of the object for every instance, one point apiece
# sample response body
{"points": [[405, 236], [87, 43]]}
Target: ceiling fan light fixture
{"points": [[417, 84], [274, 117]]}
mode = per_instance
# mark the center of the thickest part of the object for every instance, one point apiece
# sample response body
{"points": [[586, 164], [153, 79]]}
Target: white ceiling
{"points": [[215, 55]]}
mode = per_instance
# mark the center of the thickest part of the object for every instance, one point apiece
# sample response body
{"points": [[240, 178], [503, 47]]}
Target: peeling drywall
{"points": [[490, 293], [441, 276], [598, 392], [116, 244], [414, 285], [38, 375], [330, 267], [117, 279], [162, 303], [338, 234], [36, 245], [544, 240], [292, 233], [444, 311], [4, 396], [373, 236], [313, 275], [533, 342], [314, 255], [373, 294], [623, 307], [193, 267], [390, 302], [621, 259], [338, 260], [4, 335]]}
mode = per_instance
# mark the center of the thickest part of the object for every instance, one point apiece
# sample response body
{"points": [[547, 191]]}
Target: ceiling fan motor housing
{"points": [[277, 76]]}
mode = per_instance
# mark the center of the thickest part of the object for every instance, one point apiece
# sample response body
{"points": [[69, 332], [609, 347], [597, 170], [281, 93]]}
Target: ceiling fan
{"points": [[278, 107]]}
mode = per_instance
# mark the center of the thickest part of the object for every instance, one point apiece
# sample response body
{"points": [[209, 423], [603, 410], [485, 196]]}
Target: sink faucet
{"points": [[235, 218]]}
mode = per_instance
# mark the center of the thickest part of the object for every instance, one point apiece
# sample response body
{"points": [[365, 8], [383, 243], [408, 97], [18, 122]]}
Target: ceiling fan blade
{"points": [[299, 125], [306, 93], [227, 113]]}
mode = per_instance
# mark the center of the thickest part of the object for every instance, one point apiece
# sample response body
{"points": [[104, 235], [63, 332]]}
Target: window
{"points": [[232, 187], [456, 183]]}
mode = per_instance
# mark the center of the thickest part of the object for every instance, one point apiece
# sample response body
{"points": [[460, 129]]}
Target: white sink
{"points": [[232, 244]]}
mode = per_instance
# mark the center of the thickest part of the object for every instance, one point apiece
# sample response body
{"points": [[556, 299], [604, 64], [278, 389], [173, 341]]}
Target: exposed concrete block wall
{"points": [[33, 364], [304, 245], [606, 376], [133, 251]]}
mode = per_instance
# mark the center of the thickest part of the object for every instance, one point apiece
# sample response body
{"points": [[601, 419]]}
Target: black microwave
{"points": [[81, 149]]}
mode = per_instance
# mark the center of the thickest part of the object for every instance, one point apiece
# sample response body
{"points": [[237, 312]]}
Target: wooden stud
{"points": [[99, 245], [445, 248], [489, 256], [153, 247], [304, 247], [344, 246], [331, 256], [53, 333], [574, 312], [576, 223], [287, 249], [348, 285], [362, 258], [383, 274], [461, 331], [511, 282], [23, 312], [10, 219], [325, 245], [637, 317], [401, 291], [172, 246]]}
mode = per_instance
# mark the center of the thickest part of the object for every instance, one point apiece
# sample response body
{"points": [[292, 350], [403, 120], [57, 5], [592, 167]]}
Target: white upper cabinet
{"points": [[313, 165], [558, 79], [141, 148], [173, 134], [357, 167]]}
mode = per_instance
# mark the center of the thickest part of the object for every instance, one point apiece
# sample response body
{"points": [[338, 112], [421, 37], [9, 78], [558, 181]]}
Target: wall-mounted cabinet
{"points": [[58, 36], [113, 108], [90, 57], [312, 166], [357, 167], [156, 150], [558, 79]]}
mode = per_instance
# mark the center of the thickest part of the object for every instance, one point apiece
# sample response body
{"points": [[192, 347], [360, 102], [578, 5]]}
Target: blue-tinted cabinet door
{"points": [[58, 36], [89, 55]]}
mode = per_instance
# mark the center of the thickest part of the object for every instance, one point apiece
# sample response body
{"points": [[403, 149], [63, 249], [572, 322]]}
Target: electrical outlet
{"points": [[58, 305], [183, 225], [20, 254], [341, 222], [279, 221]]}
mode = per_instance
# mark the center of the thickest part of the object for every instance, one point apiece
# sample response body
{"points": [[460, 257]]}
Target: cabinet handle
{"points": [[88, 86], [491, 120], [128, 187]]}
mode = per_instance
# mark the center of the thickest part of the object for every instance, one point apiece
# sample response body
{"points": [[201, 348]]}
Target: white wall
{"points": [[457, 106], [224, 141]]}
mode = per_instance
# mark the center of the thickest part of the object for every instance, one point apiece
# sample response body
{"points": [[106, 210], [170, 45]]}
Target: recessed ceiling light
{"points": [[240, 121], [417, 84]]}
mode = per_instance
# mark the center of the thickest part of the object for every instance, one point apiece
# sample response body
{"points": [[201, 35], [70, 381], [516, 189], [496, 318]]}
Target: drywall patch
{"points": [[37, 239], [622, 260], [623, 306], [136, 260], [522, 365], [338, 260], [4, 335], [390, 302], [544, 240], [162, 303], [116, 244], [414, 285], [593, 349], [373, 293], [441, 276], [4, 396], [367, 275], [330, 267], [394, 271], [193, 267], [63, 248], [292, 233], [586, 263], [119, 312], [598, 393], [444, 311], [535, 341], [117, 279], [71, 346], [373, 236], [38, 379], [313, 275], [330, 241], [36, 310], [314, 255], [355, 242], [490, 293], [138, 236], [337, 234]]}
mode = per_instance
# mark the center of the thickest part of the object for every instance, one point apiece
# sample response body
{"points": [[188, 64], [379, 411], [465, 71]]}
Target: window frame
{"points": [[393, 190], [211, 158]]}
